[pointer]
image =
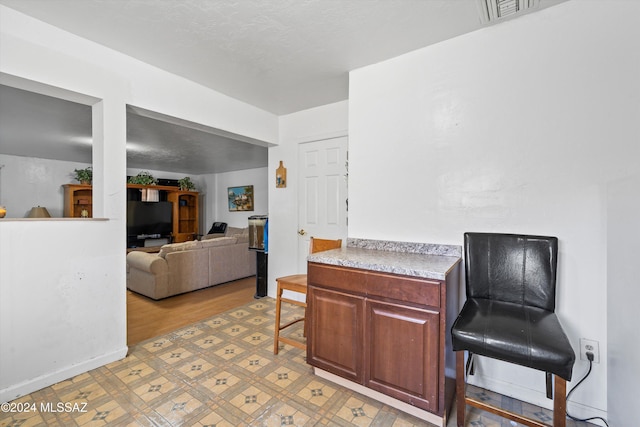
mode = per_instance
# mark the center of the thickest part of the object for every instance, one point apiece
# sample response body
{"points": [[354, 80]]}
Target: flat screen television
{"points": [[149, 218]]}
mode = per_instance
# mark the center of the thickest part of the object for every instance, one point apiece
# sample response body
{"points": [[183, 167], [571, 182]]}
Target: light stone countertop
{"points": [[411, 259]]}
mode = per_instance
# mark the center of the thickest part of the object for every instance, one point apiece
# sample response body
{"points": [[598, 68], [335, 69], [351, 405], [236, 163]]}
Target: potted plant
{"points": [[85, 176], [143, 178], [186, 184]]}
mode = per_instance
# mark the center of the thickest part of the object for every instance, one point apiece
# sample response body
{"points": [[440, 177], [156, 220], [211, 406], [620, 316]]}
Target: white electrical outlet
{"points": [[589, 346]]}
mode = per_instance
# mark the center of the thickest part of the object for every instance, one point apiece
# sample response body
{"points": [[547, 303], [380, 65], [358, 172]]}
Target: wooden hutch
{"points": [[78, 201]]}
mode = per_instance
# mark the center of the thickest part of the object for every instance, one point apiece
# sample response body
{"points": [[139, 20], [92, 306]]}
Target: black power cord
{"points": [[590, 357]]}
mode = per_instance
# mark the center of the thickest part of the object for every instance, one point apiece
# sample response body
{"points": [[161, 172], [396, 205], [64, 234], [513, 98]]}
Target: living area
{"points": [[544, 146], [157, 214]]}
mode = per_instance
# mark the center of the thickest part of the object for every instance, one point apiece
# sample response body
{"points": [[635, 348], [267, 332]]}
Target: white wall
{"points": [[623, 294], [62, 309], [53, 273], [256, 177], [324, 122], [518, 127], [26, 182]]}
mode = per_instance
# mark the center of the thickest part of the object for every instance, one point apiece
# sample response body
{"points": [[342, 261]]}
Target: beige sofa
{"points": [[188, 266]]}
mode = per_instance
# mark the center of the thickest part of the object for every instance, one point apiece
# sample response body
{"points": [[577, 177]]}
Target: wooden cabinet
{"points": [[383, 331], [78, 201], [185, 215]]}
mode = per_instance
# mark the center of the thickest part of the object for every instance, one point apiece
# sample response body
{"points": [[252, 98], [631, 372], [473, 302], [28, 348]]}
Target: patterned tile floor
{"points": [[221, 372]]}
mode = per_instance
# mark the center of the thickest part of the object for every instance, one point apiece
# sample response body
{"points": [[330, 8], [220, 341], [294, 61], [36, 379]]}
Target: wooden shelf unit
{"points": [[79, 197], [185, 215]]}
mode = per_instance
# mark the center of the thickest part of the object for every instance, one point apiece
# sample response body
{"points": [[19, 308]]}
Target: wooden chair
{"points": [[510, 315], [297, 283]]}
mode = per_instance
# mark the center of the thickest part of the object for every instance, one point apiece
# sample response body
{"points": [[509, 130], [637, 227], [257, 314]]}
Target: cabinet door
{"points": [[335, 341], [403, 348], [185, 215]]}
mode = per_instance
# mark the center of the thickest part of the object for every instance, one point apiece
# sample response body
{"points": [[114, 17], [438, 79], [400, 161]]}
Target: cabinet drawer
{"points": [[389, 286], [339, 278], [404, 288]]}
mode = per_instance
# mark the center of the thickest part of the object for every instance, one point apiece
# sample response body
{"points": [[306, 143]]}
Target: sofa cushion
{"points": [[177, 247], [212, 236], [171, 247], [221, 241], [191, 245], [232, 231], [242, 238]]}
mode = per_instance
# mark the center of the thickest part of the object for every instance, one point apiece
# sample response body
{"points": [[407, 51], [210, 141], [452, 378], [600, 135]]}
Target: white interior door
{"points": [[322, 197]]}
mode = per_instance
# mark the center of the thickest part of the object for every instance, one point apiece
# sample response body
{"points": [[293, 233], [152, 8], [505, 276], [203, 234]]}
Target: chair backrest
{"points": [[512, 267], [218, 227], [319, 245]]}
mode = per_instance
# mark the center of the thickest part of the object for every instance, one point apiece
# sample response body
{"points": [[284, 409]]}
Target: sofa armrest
{"points": [[151, 263]]}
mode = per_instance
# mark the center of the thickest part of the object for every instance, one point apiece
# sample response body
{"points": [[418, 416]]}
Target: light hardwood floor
{"points": [[147, 318]]}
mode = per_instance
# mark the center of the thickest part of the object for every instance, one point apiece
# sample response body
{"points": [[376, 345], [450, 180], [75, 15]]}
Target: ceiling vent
{"points": [[492, 11]]}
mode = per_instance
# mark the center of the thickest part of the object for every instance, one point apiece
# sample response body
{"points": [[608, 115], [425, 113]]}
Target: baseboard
{"points": [[535, 397], [18, 390], [383, 398]]}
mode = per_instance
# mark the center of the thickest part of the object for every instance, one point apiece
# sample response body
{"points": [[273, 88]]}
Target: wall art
{"points": [[240, 198]]}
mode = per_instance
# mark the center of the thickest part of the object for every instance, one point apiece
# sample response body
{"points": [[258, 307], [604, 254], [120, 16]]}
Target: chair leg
{"points": [[276, 334], [471, 367], [460, 388], [305, 323], [560, 402]]}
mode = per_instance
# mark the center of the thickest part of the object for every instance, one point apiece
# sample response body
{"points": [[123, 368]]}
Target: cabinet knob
{"points": [[302, 232]]}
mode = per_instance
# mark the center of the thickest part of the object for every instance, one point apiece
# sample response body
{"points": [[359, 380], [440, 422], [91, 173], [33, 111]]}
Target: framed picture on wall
{"points": [[240, 198]]}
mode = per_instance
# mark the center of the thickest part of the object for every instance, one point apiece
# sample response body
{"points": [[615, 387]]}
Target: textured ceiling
{"points": [[279, 55], [35, 125], [164, 143]]}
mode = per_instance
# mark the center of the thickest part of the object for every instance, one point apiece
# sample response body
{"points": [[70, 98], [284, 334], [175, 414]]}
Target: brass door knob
{"points": [[302, 232]]}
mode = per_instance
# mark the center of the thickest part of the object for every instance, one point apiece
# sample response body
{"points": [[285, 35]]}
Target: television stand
{"points": [[148, 241]]}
